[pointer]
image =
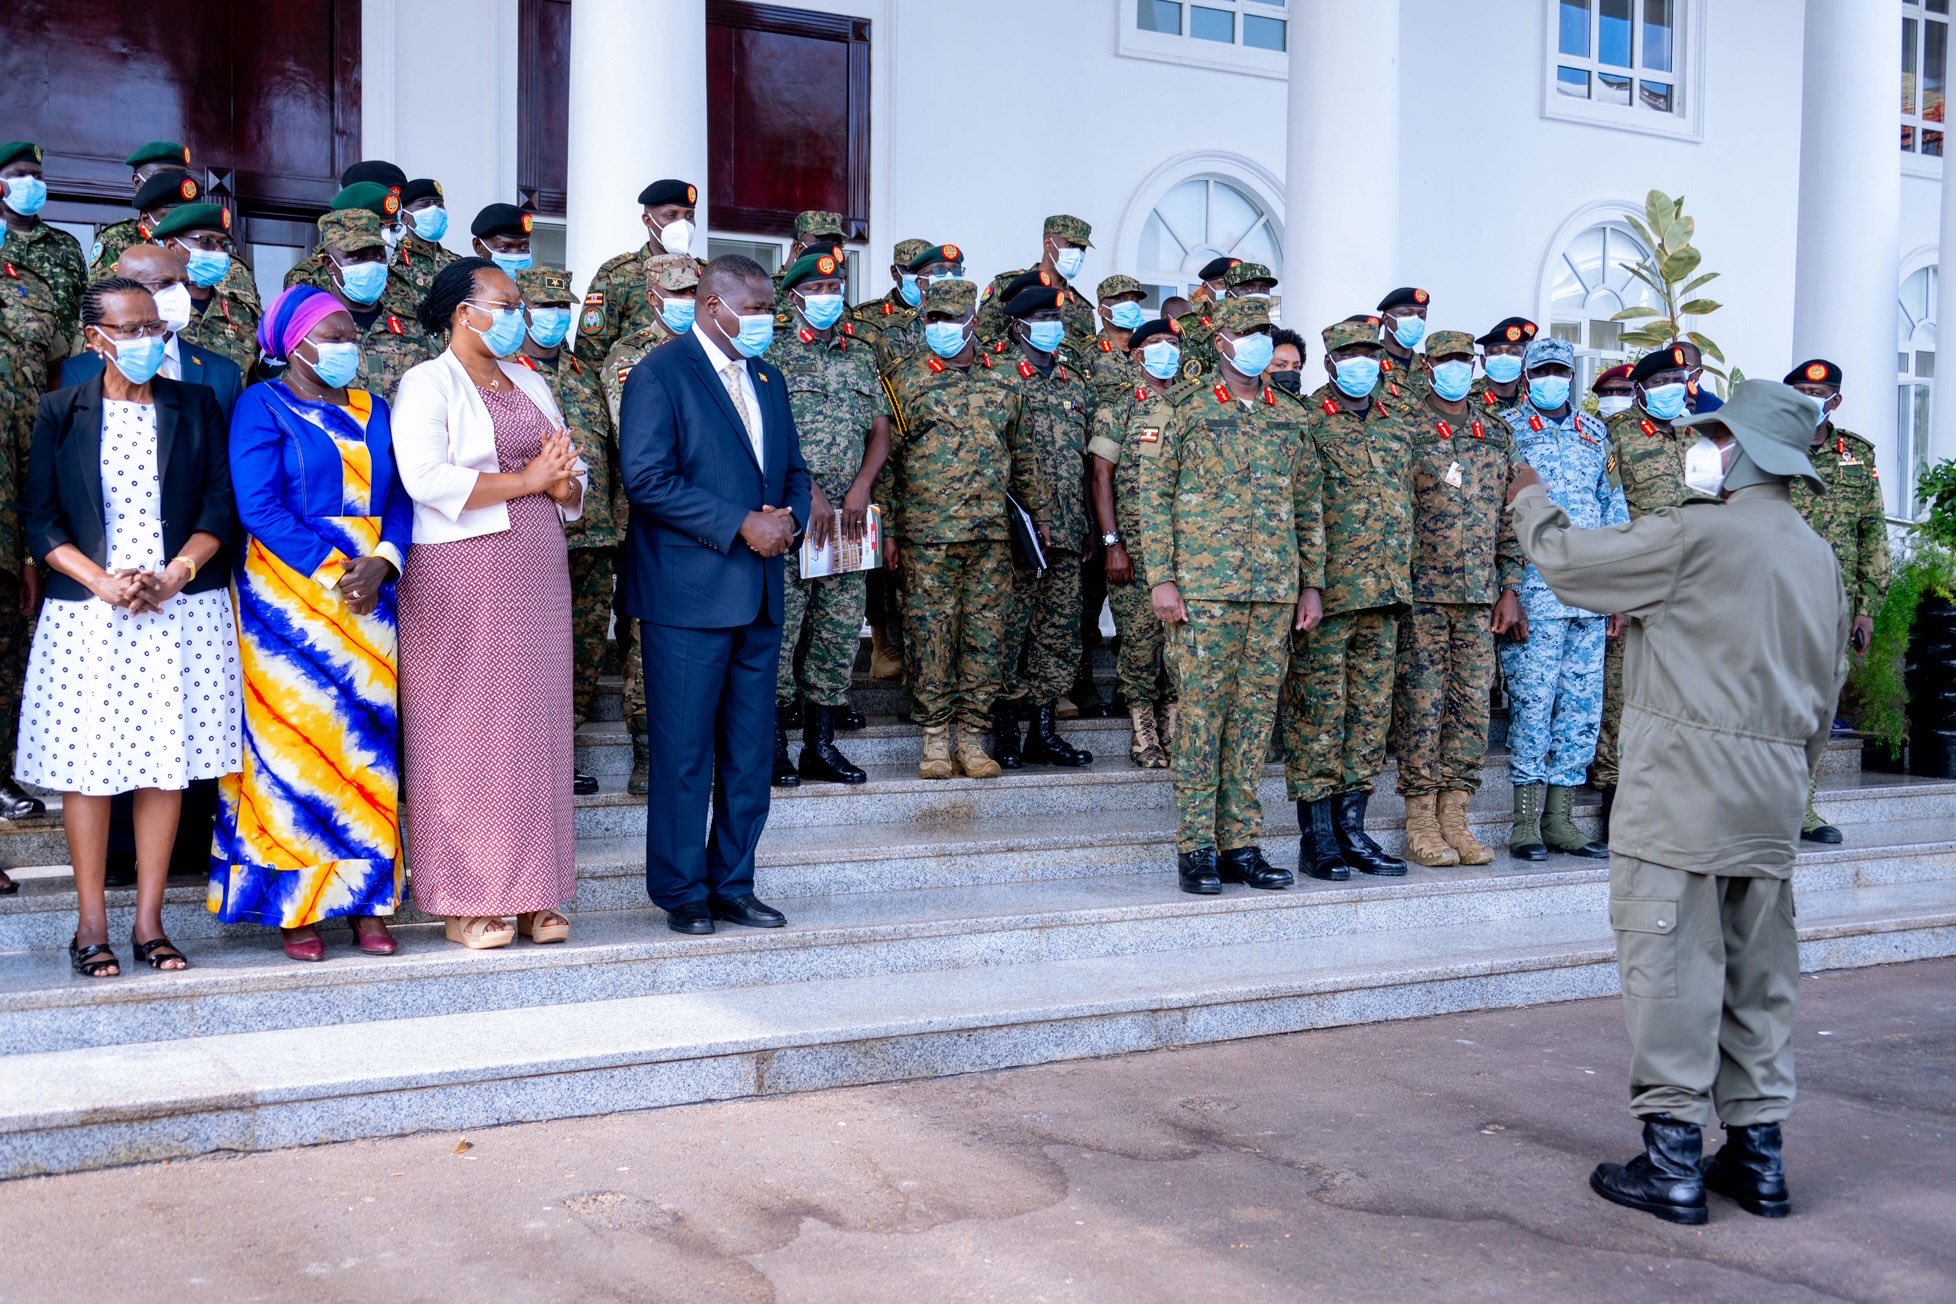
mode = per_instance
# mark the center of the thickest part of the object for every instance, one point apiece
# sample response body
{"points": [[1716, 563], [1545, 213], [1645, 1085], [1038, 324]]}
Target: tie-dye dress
{"points": [[310, 829]]}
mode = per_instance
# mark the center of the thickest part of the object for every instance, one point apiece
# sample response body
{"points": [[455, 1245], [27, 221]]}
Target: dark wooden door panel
{"points": [[543, 104]]}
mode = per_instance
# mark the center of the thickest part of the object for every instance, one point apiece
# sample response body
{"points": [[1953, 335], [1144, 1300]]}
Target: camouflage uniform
{"points": [[32, 333], [616, 303], [1230, 515], [890, 324], [1042, 635], [57, 257], [1850, 516], [1127, 435], [1483, 396], [1081, 322], [225, 322], [1199, 337], [390, 343]]}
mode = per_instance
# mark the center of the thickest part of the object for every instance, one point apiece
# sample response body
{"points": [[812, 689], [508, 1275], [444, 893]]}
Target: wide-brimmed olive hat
{"points": [[1773, 424]]}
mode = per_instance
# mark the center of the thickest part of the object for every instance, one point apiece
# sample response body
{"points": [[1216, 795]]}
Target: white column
{"points": [[637, 113], [1849, 240], [1942, 402], [1341, 225]]}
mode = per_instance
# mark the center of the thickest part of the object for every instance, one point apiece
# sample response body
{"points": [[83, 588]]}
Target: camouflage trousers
{"points": [[1142, 641], [1042, 631], [592, 571], [635, 678], [954, 601], [1555, 699], [1229, 661], [1445, 673], [16, 636], [1603, 772], [831, 611], [1338, 703]]}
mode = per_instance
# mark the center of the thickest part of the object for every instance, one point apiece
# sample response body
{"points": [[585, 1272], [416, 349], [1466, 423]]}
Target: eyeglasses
{"points": [[134, 330], [210, 242], [493, 307]]}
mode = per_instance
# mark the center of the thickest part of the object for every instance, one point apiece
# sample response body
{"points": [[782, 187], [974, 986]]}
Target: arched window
{"points": [[1915, 374], [1588, 285], [1200, 219]]}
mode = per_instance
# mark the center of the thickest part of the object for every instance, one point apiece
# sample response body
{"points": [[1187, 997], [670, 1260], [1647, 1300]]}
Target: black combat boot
{"points": [[784, 765], [848, 719], [1005, 735], [1609, 808], [1246, 865], [1317, 851], [1044, 746], [819, 758], [16, 804], [1360, 852], [787, 715], [582, 784], [1198, 872], [1664, 1180], [1749, 1171]]}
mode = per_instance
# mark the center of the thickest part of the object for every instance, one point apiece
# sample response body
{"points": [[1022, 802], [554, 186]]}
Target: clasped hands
{"points": [[554, 470], [770, 531], [137, 590]]}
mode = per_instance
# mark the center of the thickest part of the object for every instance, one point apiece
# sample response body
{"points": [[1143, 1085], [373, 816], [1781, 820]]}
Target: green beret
{"points": [[160, 151], [1239, 316], [906, 250], [672, 272], [1243, 273], [935, 254], [1441, 343], [167, 189], [370, 195], [1344, 334], [350, 229], [820, 266], [955, 298], [815, 222], [1069, 228], [1114, 286], [16, 150], [545, 287], [193, 217]]}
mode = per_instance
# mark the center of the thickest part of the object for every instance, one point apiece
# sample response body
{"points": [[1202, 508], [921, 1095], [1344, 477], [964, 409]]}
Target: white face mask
{"points": [[676, 236], [1704, 467], [173, 306], [1611, 404]]}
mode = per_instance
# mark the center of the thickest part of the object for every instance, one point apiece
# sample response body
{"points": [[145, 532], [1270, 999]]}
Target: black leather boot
{"points": [[1609, 805], [1198, 872], [1005, 735], [1317, 851], [787, 715], [1246, 865], [16, 804], [1044, 746], [582, 784], [1085, 694], [1748, 1170], [819, 758], [1360, 852], [1664, 1180], [784, 765], [848, 719]]}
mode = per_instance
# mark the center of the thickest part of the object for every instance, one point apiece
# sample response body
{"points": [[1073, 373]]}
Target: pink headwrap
{"points": [[291, 318]]}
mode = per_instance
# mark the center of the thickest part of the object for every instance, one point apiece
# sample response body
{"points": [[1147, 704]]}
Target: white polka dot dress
{"points": [[116, 701]]}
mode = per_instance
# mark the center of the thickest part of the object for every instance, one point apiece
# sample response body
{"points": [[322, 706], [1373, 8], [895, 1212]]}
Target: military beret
{"points": [[1546, 350], [955, 298], [672, 272], [545, 287], [1216, 268], [813, 221], [1439, 344], [1509, 330], [819, 266], [948, 253], [350, 229], [1037, 278], [1605, 377], [16, 150], [1068, 228], [1240, 315], [1037, 299], [1351, 331], [192, 217], [1149, 330], [1404, 295], [1814, 371], [501, 219], [168, 188], [372, 196], [419, 189], [906, 250], [1113, 287], [377, 170], [1668, 358], [160, 151], [1244, 273], [669, 191]]}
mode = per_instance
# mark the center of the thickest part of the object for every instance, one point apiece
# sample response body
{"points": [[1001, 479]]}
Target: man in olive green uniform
{"points": [[223, 318], [1338, 694], [157, 157], [843, 417], [32, 336], [951, 457], [50, 251], [1735, 653], [615, 303], [1402, 326], [897, 312], [316, 268], [420, 255], [816, 231], [670, 286], [357, 276], [896, 340], [1234, 550], [1062, 253], [1499, 388], [1850, 516], [1466, 582], [1240, 280], [593, 537]]}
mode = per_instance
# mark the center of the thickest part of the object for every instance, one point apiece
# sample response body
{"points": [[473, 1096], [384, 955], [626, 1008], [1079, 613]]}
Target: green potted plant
{"points": [[1906, 684]]}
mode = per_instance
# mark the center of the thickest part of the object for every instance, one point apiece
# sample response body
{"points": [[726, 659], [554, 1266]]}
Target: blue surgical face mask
{"points": [[822, 310], [505, 333], [1452, 379], [909, 290], [1068, 260], [511, 263], [1162, 359], [1358, 376], [206, 267], [338, 364], [363, 282], [1045, 335], [140, 359], [1127, 315], [755, 334], [26, 195], [1548, 393], [1409, 330], [946, 338], [1665, 402], [431, 224], [1503, 367], [549, 326], [1253, 353], [678, 314]]}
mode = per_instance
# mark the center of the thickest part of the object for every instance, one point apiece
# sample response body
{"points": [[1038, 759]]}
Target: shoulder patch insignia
{"points": [[95, 253], [595, 299], [593, 320], [1025, 369], [1192, 368]]}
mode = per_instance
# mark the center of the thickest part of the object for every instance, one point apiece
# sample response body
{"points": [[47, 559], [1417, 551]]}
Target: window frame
{"points": [[1914, 161], [1605, 213], [1133, 42], [1906, 471], [1686, 122]]}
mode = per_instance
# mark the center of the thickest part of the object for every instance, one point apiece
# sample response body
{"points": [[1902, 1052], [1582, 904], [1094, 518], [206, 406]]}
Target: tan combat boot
{"points": [[884, 663], [972, 757], [1146, 750], [1453, 827], [937, 753], [1424, 845]]}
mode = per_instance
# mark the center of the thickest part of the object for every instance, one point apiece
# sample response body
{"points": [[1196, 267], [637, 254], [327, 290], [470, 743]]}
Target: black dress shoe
{"points": [[1356, 845], [1826, 834], [1005, 735], [16, 804], [1664, 1181], [1044, 746], [1198, 872], [1748, 1170], [820, 760], [1246, 865], [1317, 851], [692, 918], [582, 784], [748, 910], [785, 774]]}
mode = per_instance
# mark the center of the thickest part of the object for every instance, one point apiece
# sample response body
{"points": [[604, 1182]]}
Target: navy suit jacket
{"points": [[200, 367], [690, 474]]}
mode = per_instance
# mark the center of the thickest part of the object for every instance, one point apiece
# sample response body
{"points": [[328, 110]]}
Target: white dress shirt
{"points": [[741, 392], [172, 368]]}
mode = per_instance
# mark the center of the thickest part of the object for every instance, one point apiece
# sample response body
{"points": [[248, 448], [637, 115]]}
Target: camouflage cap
{"points": [[1243, 273], [908, 249], [192, 217], [1440, 344], [350, 229], [1240, 316], [1545, 349], [1344, 334], [672, 272], [1114, 286], [815, 222], [1071, 229], [953, 297], [370, 195], [545, 287]]}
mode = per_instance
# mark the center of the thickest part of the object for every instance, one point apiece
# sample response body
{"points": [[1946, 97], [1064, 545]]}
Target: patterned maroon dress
{"points": [[486, 702]]}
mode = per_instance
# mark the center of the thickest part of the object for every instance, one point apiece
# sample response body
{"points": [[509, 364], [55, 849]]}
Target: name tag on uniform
{"points": [[1149, 441], [1850, 460], [1453, 476]]}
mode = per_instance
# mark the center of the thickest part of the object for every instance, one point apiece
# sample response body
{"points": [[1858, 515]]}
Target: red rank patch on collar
{"points": [[805, 335], [394, 326], [1649, 427], [937, 368], [1535, 422], [1479, 432], [1025, 368]]}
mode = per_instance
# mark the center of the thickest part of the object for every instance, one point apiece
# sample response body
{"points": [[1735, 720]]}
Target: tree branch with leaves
{"points": [[1671, 272]]}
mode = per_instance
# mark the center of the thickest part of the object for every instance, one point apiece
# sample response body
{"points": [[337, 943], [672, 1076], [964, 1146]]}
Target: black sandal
{"points": [[91, 962], [148, 953]]}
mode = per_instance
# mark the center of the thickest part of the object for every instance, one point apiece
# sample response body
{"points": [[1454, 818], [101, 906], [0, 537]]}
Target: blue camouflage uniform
{"points": [[1555, 679]]}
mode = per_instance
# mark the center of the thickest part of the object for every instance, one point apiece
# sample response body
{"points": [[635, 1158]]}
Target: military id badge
{"points": [[1453, 476]]}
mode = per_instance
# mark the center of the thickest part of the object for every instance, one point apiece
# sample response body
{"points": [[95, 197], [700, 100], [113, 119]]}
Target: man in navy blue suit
{"points": [[713, 468], [161, 270]]}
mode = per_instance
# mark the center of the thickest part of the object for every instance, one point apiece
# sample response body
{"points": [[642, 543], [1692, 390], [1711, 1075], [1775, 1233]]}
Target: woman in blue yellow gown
{"points": [[309, 830]]}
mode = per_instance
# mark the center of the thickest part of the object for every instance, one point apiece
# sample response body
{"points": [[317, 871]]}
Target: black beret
{"points": [[1405, 294], [421, 188], [1148, 330], [948, 253], [1036, 279], [377, 170], [169, 188], [1814, 371], [1509, 330], [1668, 358], [1213, 269], [669, 191], [501, 219], [1037, 299]]}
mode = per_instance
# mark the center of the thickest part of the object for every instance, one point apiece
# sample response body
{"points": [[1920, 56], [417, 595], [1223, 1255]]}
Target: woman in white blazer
{"points": [[485, 618]]}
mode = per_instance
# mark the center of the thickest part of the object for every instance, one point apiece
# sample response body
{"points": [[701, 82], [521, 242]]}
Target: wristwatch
{"points": [[1110, 538]]}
